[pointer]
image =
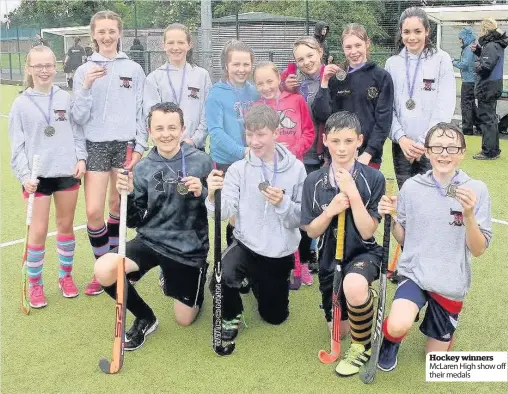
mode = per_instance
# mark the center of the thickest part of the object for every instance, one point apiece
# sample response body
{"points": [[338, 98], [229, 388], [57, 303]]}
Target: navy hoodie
{"points": [[174, 225], [367, 92]]}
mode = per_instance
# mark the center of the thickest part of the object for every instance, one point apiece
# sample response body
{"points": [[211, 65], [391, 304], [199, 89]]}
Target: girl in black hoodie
{"points": [[361, 87]]}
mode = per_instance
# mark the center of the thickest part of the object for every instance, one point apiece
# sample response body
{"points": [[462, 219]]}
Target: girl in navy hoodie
{"points": [[361, 87]]}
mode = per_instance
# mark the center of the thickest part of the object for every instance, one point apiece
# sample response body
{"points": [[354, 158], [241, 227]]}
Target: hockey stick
{"points": [[368, 372], [121, 286], [393, 264], [25, 304], [218, 346], [324, 356]]}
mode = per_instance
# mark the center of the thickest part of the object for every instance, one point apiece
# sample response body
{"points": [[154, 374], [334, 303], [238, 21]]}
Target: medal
{"points": [[341, 75], [410, 103], [49, 131], [451, 190], [299, 76], [263, 185], [182, 189]]}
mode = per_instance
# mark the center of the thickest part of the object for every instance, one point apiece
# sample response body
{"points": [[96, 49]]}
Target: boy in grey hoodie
{"points": [[435, 265], [263, 192]]}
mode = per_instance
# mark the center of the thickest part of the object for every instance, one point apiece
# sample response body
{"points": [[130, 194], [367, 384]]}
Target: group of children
{"points": [[288, 153]]}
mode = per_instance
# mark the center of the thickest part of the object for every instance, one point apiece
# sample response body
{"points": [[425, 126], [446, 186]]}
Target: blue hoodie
{"points": [[467, 58], [225, 110]]}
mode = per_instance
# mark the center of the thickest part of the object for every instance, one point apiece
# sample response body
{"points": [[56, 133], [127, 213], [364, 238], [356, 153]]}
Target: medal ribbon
{"points": [[336, 187], [265, 171], [181, 86], [47, 118], [411, 87], [439, 187], [173, 171]]}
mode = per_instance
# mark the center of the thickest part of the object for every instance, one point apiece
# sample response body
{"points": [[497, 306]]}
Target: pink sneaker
{"points": [[69, 289], [37, 297], [307, 278], [93, 288]]}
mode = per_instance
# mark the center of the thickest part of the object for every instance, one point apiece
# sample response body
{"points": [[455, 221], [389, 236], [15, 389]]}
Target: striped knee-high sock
{"points": [[113, 230], [34, 263], [99, 240], [360, 320], [65, 245]]}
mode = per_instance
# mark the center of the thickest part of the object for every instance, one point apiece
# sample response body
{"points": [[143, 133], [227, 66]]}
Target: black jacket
{"points": [[367, 92], [174, 225], [322, 39], [489, 67]]}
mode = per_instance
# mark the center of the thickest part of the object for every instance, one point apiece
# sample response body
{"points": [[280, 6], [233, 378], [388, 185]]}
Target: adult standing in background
{"points": [[137, 53], [321, 30], [73, 59], [468, 74], [489, 85]]}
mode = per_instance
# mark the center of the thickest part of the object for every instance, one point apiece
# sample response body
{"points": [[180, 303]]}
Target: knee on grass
{"points": [[272, 316], [185, 315]]}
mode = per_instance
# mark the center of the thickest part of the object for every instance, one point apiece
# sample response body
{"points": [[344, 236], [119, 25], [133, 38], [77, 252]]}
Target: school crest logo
{"points": [[126, 82], [193, 93], [372, 92], [428, 84], [458, 218], [60, 115]]}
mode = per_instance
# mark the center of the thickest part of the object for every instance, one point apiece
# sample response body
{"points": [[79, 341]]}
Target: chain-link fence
{"points": [[268, 27]]}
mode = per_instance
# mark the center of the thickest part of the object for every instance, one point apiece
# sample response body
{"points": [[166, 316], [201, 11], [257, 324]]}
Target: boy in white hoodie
{"points": [[263, 192]]}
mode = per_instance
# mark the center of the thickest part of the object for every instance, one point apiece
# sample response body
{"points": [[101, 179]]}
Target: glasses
{"points": [[40, 67], [451, 150]]}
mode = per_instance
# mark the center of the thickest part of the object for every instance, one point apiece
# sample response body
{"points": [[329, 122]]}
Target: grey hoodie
{"points": [[435, 254], [58, 153], [112, 109], [265, 229], [195, 89]]}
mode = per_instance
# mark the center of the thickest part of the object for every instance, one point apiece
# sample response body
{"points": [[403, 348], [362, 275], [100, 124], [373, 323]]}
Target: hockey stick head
{"points": [[224, 350], [107, 367]]}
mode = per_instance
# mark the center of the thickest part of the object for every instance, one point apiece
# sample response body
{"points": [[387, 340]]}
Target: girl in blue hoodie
{"points": [[108, 96]]}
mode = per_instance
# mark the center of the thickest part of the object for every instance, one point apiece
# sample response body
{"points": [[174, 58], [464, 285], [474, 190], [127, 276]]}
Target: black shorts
{"points": [[366, 264], [441, 316], [182, 282], [104, 156], [48, 186]]}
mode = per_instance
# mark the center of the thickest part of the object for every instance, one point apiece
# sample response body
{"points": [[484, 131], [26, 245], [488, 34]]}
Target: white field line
{"points": [[52, 234], [4, 116], [20, 241]]}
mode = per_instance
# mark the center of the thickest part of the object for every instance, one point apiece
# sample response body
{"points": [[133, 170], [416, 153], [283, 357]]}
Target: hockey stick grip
{"points": [[341, 228]]}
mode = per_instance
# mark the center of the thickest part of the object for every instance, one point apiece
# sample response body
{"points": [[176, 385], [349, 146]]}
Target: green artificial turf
{"points": [[57, 349]]}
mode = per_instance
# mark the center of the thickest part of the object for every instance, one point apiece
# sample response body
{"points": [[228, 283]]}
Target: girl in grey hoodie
{"points": [[108, 95]]}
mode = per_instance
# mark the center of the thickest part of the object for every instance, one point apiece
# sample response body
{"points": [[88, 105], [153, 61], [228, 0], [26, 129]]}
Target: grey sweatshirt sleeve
{"points": [[289, 210], [446, 91], [151, 95], [396, 131], [81, 97], [79, 141], [482, 213], [141, 133], [19, 160], [199, 137], [230, 195]]}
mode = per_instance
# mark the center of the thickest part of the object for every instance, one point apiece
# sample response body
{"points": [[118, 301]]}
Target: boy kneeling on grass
{"points": [[442, 218], [354, 188], [166, 205], [263, 193]]}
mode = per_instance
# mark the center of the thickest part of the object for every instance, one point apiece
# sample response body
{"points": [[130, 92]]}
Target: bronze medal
{"points": [[49, 131], [182, 189]]}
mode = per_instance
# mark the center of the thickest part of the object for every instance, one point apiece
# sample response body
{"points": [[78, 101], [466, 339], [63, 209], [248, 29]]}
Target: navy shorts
{"points": [[104, 156], [182, 282], [442, 314], [48, 186], [366, 265]]}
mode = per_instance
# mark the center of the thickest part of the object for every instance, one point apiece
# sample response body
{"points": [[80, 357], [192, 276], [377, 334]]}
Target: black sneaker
{"points": [[135, 337], [245, 286], [313, 262], [394, 278]]}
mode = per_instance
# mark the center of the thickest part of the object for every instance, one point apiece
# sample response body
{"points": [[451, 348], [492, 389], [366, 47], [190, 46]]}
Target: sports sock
{"points": [[135, 303], [65, 245], [99, 240], [113, 230], [389, 337], [34, 263], [360, 320]]}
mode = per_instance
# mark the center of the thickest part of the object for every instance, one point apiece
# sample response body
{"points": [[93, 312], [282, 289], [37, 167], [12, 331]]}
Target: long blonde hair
{"points": [[28, 80], [488, 24], [310, 42], [105, 15]]}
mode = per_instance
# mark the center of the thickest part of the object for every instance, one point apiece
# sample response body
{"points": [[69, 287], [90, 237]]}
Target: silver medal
{"points": [[263, 185], [451, 190], [341, 75], [49, 131], [410, 104], [299, 76], [182, 189]]}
